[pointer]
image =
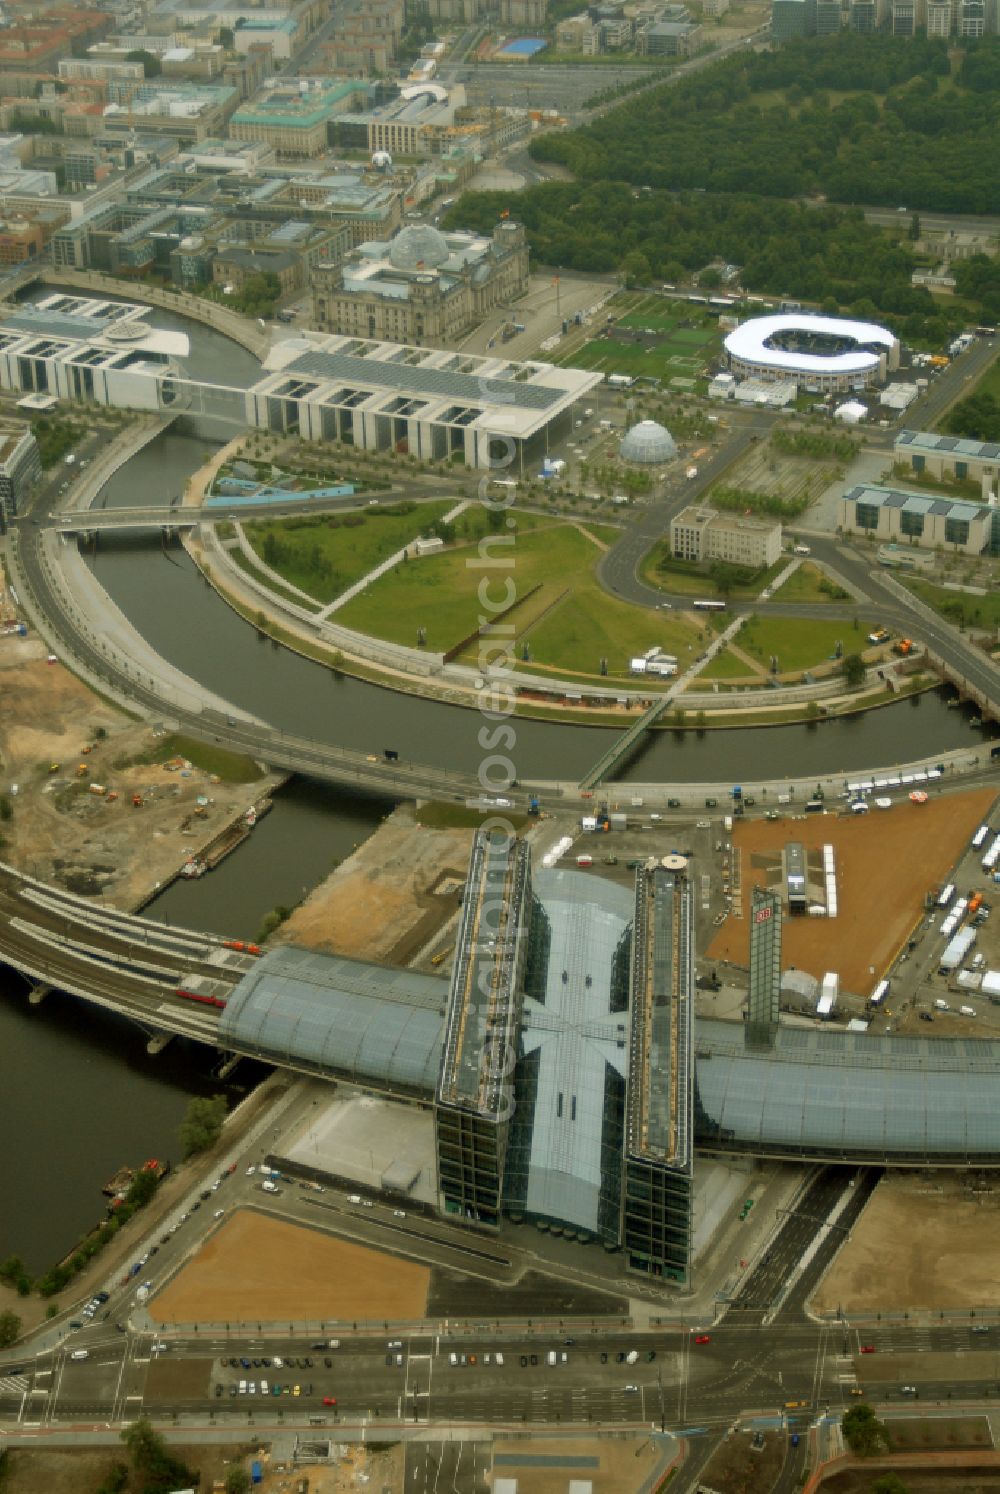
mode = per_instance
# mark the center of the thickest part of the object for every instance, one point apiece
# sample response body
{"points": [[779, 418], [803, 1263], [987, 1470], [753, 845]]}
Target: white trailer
{"points": [[956, 949], [829, 990]]}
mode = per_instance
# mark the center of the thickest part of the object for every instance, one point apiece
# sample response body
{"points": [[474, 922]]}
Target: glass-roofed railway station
{"points": [[564, 1075]]}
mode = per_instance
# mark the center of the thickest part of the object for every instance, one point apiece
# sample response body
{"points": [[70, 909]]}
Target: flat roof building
{"points": [[659, 1101], [294, 117], [922, 519], [394, 396], [20, 467], [950, 458], [474, 1102], [703, 534]]}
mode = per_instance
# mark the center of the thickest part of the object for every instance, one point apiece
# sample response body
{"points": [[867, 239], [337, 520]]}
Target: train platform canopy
{"points": [[853, 1096], [337, 1017]]}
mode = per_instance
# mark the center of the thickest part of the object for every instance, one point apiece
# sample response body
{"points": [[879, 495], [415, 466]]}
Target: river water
{"points": [[80, 1096]]}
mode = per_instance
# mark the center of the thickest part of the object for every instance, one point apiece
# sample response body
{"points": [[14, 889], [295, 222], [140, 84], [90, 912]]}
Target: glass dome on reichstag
{"points": [[418, 247], [648, 442]]}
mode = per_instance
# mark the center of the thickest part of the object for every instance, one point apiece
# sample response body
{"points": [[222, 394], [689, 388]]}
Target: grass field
{"points": [[325, 555], [678, 578], [725, 666], [803, 585], [800, 642], [960, 606], [569, 623], [676, 348]]}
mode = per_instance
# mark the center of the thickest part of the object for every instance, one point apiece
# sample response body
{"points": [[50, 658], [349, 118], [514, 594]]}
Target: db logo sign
{"points": [[762, 915]]}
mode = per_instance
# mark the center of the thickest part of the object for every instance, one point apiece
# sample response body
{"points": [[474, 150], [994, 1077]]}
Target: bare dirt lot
{"points": [[82, 1470], [97, 846], [922, 1243], [737, 1467], [390, 897], [261, 1269], [886, 861], [610, 1466]]}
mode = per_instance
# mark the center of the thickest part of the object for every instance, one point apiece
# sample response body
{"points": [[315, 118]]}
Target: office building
{"points": [[949, 458], [792, 18], [921, 519], [294, 117], [20, 467], [704, 534], [474, 1102], [659, 1100], [765, 967]]}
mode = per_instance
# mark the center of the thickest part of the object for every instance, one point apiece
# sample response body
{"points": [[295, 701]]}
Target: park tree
{"points": [[636, 269], [151, 65], [238, 1481], [853, 669], [202, 1124], [864, 1434], [10, 1329], [155, 1470], [889, 1483]]}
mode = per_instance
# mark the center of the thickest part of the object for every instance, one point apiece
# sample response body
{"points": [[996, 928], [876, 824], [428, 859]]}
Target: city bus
{"points": [[979, 838], [709, 606]]}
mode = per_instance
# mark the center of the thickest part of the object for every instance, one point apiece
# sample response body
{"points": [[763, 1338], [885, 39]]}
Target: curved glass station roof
{"points": [[818, 1093], [847, 1095], [335, 1016]]}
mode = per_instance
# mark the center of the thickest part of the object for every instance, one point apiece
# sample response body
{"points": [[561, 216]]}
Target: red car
{"points": [[702, 1338], [329, 1400], [868, 1348]]}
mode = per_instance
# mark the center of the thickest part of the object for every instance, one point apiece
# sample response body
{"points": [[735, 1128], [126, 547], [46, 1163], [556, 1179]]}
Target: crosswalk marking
{"points": [[13, 1384]]}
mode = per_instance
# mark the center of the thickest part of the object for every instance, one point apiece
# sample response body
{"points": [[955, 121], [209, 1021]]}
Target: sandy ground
{"points": [[620, 1463], [262, 1269], [924, 1242], [886, 861], [81, 1470], [380, 903], [86, 843]]}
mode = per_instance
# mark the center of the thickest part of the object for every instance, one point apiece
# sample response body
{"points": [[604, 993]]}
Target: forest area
{"points": [[733, 163]]}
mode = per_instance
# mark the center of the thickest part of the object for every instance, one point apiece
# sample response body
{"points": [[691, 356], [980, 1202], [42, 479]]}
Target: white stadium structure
{"points": [[825, 353]]}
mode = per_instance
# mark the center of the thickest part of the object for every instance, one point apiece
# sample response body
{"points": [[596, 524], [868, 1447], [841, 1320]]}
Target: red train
{"points": [[198, 996]]}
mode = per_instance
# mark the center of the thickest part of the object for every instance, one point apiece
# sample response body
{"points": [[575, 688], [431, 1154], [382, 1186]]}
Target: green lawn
{"points": [[800, 642], [725, 666], [325, 554], [804, 585], [960, 607], [569, 623], [679, 578]]}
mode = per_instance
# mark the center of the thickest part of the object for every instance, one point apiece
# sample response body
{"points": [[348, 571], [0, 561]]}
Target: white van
{"points": [[859, 806], [453, 1360], [80, 1354], [967, 1011], [243, 1387], [498, 1359], [632, 1356], [553, 1358], [268, 1186], [942, 1006], [263, 1388], [802, 550]]}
